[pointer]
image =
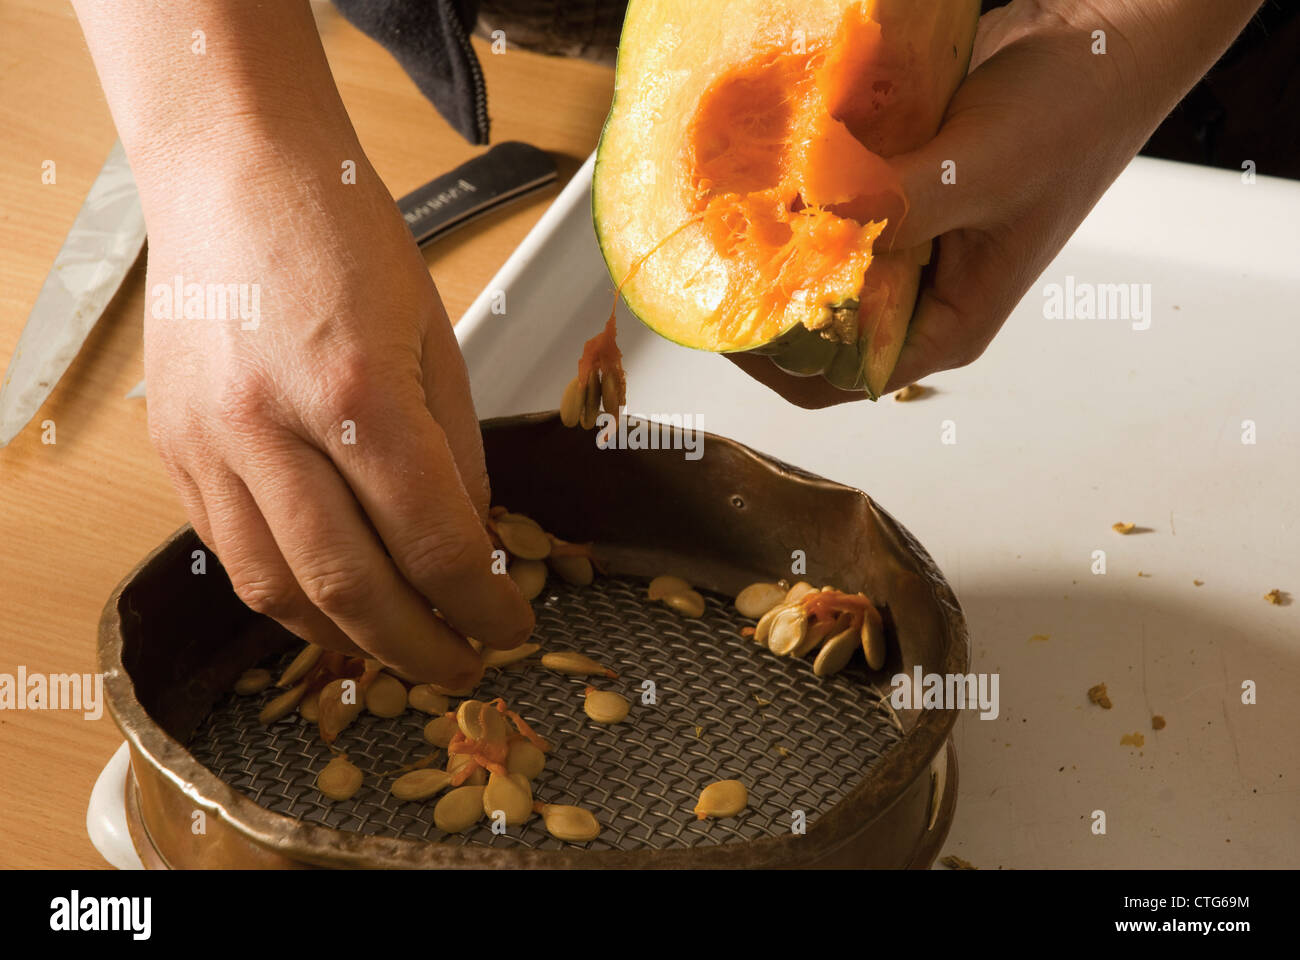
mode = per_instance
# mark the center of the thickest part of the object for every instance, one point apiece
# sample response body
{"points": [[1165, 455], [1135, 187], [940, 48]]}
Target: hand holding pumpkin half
{"points": [[834, 149]]}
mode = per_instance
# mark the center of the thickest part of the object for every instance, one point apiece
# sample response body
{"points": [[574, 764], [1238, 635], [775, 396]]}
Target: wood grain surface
{"points": [[76, 515]]}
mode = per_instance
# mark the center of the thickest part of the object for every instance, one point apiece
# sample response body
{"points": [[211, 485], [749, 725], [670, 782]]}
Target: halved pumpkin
{"points": [[740, 188]]}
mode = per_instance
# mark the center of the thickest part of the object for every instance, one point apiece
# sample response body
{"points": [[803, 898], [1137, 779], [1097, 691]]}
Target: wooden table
{"points": [[75, 516]]}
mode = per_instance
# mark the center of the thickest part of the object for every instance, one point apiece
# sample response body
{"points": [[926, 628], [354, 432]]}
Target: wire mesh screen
{"points": [[707, 704]]}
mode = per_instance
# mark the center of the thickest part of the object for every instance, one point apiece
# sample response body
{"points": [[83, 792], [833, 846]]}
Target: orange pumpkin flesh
{"points": [[741, 185]]}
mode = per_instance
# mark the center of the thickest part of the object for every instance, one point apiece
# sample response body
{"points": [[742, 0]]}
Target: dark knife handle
{"points": [[507, 171]]}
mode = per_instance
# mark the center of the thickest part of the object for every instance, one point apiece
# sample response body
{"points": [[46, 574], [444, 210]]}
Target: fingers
{"points": [[258, 572], [344, 572], [974, 285], [447, 395], [403, 472]]}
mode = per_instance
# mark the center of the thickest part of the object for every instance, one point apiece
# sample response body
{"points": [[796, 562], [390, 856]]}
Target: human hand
{"points": [[348, 541], [1037, 131]]}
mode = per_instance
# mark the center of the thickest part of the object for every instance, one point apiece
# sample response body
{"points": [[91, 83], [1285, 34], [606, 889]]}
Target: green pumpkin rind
{"points": [[867, 364]]}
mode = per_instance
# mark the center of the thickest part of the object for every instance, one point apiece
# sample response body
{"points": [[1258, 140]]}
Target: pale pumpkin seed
{"points": [[525, 759], [469, 717], [663, 586], [440, 730], [575, 664], [459, 809], [420, 784], [335, 715], [340, 779], [512, 794], [309, 708], [298, 667], [591, 400], [427, 700], [788, 630], [571, 402], [523, 537], [873, 638], [252, 681], [613, 390], [386, 696], [574, 569], [604, 706], [457, 760], [758, 598], [570, 824], [688, 603], [529, 576], [763, 632], [494, 726], [818, 632], [799, 591], [723, 798], [501, 658], [835, 653], [283, 704]]}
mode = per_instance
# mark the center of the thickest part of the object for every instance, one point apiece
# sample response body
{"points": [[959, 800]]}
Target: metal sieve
{"points": [[872, 787]]}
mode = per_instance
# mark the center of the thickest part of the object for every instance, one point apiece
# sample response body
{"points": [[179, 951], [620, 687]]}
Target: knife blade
{"points": [[100, 249], [505, 173]]}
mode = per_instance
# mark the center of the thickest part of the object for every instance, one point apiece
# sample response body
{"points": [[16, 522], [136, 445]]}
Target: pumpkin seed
{"points": [[571, 403], [613, 390], [335, 715], [604, 706], [283, 704], [758, 598], [590, 400], [835, 653], [512, 794], [440, 730], [420, 784], [763, 631], [526, 759], [340, 779], [425, 699], [386, 696], [529, 576], [873, 637], [523, 537], [298, 667], [812, 638], [799, 591], [494, 726], [575, 569], [788, 630], [252, 681], [662, 586], [501, 658], [570, 824], [723, 798], [309, 708], [688, 604], [459, 809], [575, 664], [469, 717], [457, 760]]}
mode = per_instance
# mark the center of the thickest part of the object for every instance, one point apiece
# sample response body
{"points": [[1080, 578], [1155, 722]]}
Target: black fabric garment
{"points": [[430, 39]]}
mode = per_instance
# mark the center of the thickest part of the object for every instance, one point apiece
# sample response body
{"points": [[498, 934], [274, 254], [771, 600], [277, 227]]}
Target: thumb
{"points": [[938, 184]]}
